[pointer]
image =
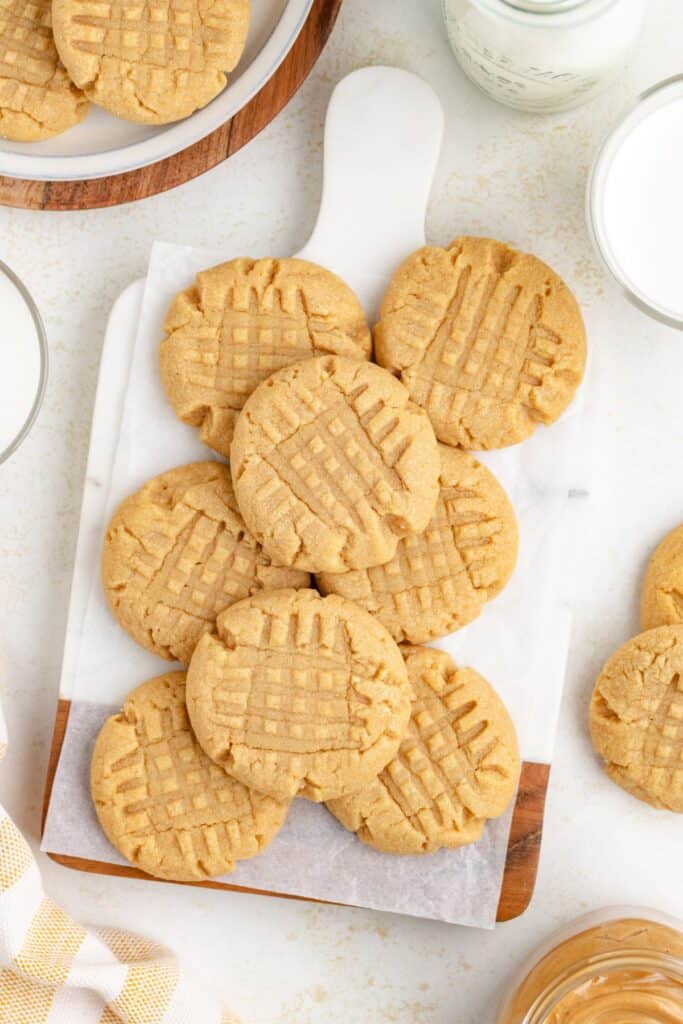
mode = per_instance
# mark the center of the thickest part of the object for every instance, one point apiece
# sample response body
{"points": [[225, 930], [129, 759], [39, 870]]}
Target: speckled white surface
{"points": [[507, 174]]}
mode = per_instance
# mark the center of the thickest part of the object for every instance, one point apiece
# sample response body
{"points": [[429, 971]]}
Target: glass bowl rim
{"points": [[41, 337]]}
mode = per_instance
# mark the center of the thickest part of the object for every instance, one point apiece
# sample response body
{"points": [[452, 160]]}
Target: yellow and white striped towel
{"points": [[55, 971]]}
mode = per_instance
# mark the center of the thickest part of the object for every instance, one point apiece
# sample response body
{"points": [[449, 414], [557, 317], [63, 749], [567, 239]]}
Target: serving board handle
{"points": [[382, 140]]}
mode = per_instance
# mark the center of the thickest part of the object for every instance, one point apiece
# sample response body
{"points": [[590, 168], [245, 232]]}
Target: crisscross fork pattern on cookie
{"points": [[27, 52], [436, 766], [663, 738], [291, 694], [456, 542], [152, 33], [325, 466], [196, 571], [489, 343], [239, 348], [172, 785]]}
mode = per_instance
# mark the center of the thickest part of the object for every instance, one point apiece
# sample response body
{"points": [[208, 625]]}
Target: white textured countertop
{"points": [[508, 175]]}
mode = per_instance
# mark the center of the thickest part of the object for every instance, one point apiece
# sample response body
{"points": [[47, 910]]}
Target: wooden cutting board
{"points": [[368, 221], [196, 159], [521, 865]]}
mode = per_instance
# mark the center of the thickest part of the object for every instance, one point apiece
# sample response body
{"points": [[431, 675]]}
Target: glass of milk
{"points": [[23, 347], [542, 55], [635, 202]]}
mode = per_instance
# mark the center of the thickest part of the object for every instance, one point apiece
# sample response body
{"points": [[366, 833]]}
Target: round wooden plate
{"points": [[203, 155]]}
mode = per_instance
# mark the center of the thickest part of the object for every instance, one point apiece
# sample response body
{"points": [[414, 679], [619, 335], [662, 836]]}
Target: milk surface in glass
{"points": [[643, 207]]}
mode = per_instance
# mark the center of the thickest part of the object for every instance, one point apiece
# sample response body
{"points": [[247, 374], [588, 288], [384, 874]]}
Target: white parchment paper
{"points": [[520, 643]]}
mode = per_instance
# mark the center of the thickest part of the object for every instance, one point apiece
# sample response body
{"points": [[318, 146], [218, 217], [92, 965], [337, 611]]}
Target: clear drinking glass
{"points": [[23, 345], [608, 202]]}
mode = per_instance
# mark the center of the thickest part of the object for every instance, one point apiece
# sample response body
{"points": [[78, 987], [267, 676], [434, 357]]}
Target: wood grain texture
{"points": [[524, 844], [198, 158], [521, 865]]}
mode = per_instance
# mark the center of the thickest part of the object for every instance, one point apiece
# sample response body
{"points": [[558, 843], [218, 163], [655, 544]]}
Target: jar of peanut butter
{"points": [[617, 965]]}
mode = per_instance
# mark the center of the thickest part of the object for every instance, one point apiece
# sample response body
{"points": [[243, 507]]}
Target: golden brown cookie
{"points": [[150, 61], [439, 580], [37, 97], [636, 717], [457, 766], [490, 341], [333, 464], [239, 323], [176, 553], [162, 803], [662, 598], [299, 694]]}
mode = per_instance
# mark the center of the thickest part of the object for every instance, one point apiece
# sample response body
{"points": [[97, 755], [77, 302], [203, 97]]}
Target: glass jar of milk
{"points": [[542, 55]]}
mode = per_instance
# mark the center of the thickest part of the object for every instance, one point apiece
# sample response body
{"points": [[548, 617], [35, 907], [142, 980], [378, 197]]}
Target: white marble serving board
{"points": [[382, 141]]}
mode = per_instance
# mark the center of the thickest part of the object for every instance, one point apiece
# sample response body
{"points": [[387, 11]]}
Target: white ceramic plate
{"points": [[104, 144]]}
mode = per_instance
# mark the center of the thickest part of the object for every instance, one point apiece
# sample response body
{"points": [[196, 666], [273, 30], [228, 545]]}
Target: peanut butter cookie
{"points": [[457, 766], [176, 553], [636, 717], [439, 580], [239, 323], [299, 694], [488, 340], [37, 97], [662, 598], [162, 803], [333, 464], [150, 61]]}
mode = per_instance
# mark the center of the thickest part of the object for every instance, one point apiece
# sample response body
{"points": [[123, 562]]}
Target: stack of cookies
{"points": [[636, 712], [148, 61], [296, 584]]}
